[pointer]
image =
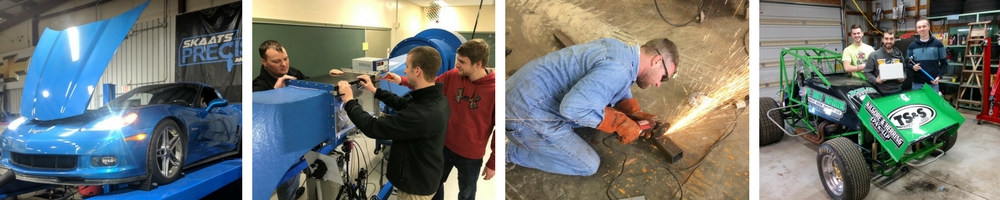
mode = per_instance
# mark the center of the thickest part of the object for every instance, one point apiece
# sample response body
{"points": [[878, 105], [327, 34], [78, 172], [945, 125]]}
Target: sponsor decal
{"points": [[883, 127], [825, 105], [223, 47], [861, 92], [910, 116]]}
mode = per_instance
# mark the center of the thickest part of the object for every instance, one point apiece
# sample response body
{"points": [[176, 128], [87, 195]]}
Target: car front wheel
{"points": [[166, 153]]}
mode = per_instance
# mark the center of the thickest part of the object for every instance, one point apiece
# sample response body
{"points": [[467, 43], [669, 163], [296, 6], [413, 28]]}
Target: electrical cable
{"points": [[679, 185], [700, 9], [67, 194], [877, 31], [607, 191], [698, 164]]}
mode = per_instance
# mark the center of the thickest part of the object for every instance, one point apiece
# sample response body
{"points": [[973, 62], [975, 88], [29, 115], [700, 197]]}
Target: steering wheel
{"points": [[181, 102]]}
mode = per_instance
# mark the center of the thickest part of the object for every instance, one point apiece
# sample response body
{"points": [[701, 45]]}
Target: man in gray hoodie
{"points": [[887, 52]]}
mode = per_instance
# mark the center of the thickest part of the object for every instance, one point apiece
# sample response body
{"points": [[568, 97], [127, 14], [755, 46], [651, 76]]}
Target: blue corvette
{"points": [[148, 134]]}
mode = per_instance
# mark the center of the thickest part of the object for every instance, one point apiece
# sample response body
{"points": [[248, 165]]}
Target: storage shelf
{"points": [[960, 64], [966, 14]]}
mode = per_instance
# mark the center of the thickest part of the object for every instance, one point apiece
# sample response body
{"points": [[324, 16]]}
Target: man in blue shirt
{"points": [[577, 87], [929, 54]]}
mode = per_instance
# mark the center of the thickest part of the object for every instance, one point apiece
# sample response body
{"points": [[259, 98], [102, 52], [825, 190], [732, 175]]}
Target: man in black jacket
{"points": [[417, 130], [889, 54], [274, 69]]}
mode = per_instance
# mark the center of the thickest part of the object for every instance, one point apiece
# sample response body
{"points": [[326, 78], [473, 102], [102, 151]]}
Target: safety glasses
{"points": [[666, 76]]}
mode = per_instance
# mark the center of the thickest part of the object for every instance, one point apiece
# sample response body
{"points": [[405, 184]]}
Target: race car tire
{"points": [[843, 169], [770, 132], [166, 152]]}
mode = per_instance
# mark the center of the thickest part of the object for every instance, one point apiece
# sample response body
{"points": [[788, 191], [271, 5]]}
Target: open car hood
{"points": [[67, 65], [901, 120]]}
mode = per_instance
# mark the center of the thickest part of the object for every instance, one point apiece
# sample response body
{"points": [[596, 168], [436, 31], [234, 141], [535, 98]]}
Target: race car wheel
{"points": [[949, 140], [166, 152], [769, 132], [843, 170]]}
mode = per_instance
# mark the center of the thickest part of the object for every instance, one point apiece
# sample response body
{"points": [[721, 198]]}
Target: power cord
{"points": [[680, 184], [698, 164], [700, 9], [607, 191]]}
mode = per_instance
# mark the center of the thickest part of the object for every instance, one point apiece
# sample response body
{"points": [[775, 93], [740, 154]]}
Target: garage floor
{"points": [[713, 61], [788, 168]]}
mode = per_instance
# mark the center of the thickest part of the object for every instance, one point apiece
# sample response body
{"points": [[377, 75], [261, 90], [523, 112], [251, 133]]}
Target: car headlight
{"points": [[17, 122], [99, 161], [111, 123]]}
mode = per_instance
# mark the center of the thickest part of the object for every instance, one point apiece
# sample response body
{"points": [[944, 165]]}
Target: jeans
{"points": [[917, 86], [468, 174], [551, 146]]}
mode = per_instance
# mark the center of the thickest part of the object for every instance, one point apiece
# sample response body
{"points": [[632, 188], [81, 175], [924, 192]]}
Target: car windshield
{"points": [[157, 94]]}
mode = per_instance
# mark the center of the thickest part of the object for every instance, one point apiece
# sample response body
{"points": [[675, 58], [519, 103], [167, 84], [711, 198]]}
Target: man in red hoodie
{"points": [[470, 91]]}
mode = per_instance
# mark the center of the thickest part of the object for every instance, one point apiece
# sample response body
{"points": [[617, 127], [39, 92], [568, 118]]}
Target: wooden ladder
{"points": [[972, 67]]}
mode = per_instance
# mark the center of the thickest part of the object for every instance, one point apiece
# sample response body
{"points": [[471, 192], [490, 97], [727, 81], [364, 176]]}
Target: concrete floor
{"points": [[712, 54], [788, 169]]}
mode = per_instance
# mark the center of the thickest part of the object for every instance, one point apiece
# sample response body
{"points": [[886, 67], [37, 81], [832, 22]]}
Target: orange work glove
{"points": [[630, 107], [617, 122]]}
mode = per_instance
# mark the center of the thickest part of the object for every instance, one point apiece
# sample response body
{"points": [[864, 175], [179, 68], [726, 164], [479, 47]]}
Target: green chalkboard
{"points": [[313, 50], [489, 37]]}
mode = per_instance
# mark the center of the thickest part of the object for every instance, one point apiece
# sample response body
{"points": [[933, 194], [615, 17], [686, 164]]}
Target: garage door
{"points": [[785, 25]]}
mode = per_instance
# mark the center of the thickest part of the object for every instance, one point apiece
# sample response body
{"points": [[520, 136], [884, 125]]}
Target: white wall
{"points": [[463, 18], [411, 18], [144, 57], [19, 37], [369, 13]]}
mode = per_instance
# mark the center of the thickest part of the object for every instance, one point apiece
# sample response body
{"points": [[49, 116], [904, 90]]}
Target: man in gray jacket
{"points": [[887, 52]]}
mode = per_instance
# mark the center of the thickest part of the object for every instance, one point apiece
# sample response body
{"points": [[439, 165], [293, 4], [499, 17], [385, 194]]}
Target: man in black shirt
{"points": [[274, 69], [417, 130]]}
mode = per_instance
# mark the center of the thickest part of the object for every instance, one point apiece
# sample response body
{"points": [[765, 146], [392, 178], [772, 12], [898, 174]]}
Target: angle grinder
{"points": [[653, 132]]}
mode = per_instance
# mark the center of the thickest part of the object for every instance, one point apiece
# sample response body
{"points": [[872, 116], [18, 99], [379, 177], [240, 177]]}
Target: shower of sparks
{"points": [[735, 85]]}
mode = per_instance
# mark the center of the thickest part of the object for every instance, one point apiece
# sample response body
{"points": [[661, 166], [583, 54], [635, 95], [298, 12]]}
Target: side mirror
{"points": [[217, 103]]}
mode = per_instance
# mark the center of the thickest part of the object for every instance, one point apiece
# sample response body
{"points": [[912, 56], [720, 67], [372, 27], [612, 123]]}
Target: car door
{"points": [[219, 134]]}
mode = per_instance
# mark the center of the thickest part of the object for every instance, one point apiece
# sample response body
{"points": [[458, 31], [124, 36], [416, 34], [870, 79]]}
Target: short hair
{"points": [[855, 26], [269, 44], [888, 30], [427, 59], [923, 19], [664, 47], [476, 49]]}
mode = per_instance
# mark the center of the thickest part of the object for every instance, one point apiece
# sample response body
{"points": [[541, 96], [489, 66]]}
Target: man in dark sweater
{"points": [[929, 55], [888, 53], [417, 130], [274, 69]]}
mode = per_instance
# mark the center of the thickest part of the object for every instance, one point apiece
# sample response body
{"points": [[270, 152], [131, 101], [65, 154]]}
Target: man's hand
{"points": [[878, 79], [630, 107], [336, 72], [344, 88], [900, 80], [281, 81], [617, 122], [367, 83], [488, 173], [936, 80], [392, 77], [916, 67]]}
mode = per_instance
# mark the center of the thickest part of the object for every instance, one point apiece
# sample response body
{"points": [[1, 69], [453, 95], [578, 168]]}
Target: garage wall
{"points": [[785, 24], [145, 56]]}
